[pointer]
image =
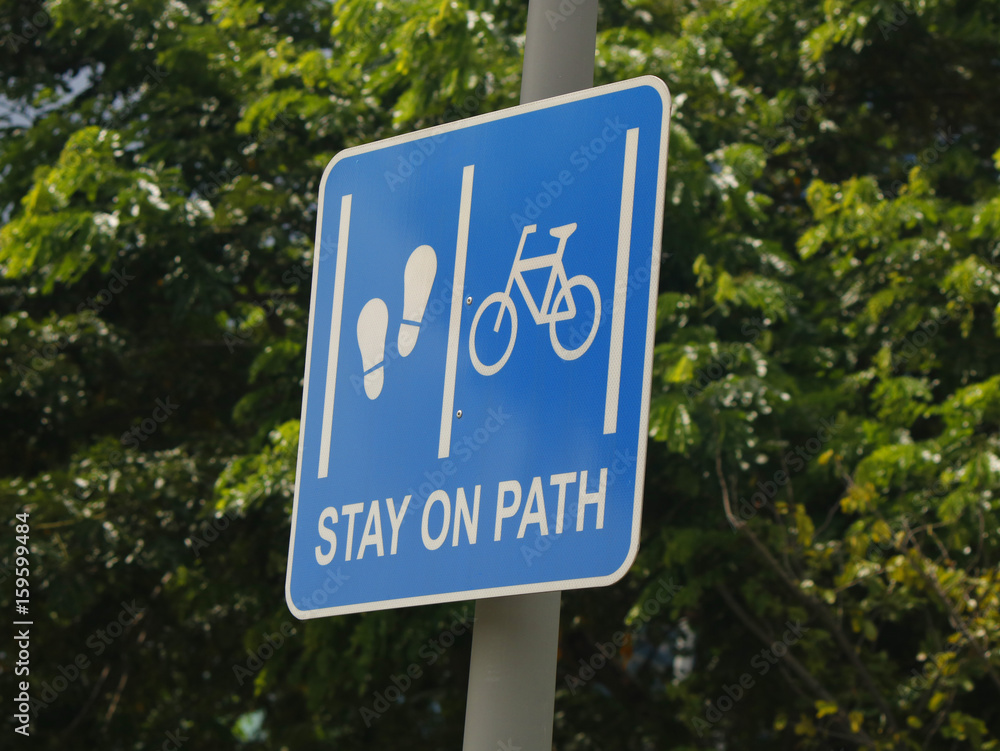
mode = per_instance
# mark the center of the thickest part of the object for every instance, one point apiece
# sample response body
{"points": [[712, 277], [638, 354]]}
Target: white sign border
{"points": [[518, 589]]}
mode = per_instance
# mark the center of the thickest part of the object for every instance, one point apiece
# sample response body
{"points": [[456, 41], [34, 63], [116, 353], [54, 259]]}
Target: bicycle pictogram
{"points": [[549, 311]]}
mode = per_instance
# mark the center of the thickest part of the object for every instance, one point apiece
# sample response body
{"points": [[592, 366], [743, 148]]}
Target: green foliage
{"points": [[825, 413]]}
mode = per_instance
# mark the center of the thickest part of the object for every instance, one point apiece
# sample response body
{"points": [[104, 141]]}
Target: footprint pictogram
{"points": [[418, 277], [373, 323]]}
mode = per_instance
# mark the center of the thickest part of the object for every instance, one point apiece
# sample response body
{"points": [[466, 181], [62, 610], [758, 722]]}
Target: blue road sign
{"points": [[478, 363]]}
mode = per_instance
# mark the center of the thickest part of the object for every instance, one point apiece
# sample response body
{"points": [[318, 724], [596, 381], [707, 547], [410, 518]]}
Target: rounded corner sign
{"points": [[479, 352]]}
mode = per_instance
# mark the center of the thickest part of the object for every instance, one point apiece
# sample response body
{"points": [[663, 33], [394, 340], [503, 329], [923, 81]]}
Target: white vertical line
{"points": [[335, 319], [621, 283], [455, 323]]}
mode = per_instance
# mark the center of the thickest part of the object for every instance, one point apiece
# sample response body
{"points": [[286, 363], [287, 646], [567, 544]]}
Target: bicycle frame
{"points": [[541, 314]]}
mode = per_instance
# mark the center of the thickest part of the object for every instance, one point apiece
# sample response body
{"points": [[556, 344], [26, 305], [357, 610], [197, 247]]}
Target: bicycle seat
{"points": [[563, 232]]}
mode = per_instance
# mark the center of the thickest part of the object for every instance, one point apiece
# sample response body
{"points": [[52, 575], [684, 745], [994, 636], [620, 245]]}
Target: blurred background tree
{"points": [[826, 401]]}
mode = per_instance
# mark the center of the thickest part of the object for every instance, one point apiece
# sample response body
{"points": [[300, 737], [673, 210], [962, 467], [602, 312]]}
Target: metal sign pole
{"points": [[512, 676], [559, 48]]}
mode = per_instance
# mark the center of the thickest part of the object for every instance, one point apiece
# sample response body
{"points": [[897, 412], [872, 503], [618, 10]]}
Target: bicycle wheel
{"points": [[565, 352], [506, 304]]}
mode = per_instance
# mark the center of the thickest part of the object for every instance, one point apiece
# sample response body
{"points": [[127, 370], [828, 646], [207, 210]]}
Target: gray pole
{"points": [[512, 677], [559, 49]]}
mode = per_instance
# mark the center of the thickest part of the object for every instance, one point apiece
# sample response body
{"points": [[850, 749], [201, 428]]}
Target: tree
{"points": [[820, 537]]}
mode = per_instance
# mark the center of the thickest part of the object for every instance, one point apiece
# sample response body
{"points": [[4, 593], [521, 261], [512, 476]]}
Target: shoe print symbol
{"points": [[417, 280], [372, 326], [373, 322]]}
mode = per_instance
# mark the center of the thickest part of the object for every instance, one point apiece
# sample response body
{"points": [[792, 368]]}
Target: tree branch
{"points": [[817, 607], [953, 616], [792, 663]]}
